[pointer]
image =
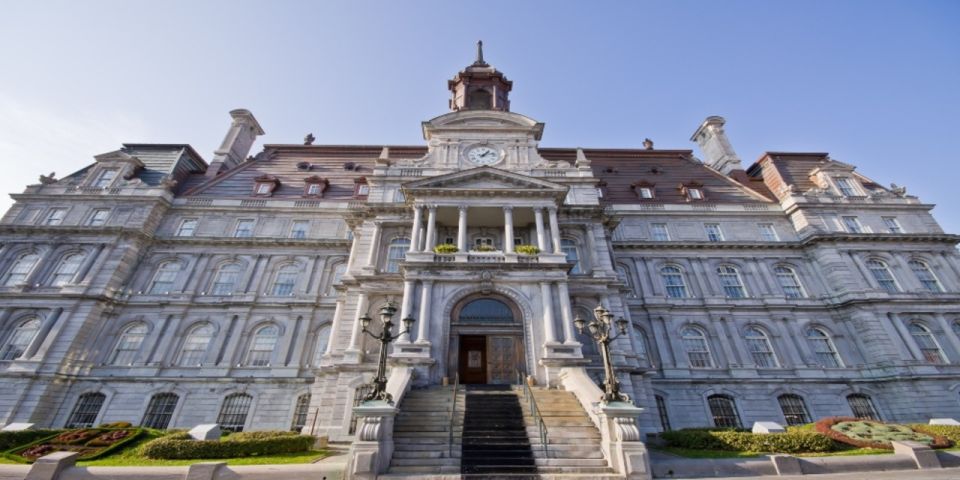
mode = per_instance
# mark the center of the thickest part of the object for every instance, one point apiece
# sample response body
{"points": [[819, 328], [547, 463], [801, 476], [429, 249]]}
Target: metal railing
{"points": [[453, 413], [535, 411]]}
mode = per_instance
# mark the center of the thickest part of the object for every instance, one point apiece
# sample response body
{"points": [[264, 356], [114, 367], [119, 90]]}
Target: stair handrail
{"points": [[535, 411], [453, 411]]}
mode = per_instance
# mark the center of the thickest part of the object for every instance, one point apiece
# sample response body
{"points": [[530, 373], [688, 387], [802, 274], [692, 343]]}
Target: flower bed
{"points": [[872, 434], [244, 444], [90, 443]]}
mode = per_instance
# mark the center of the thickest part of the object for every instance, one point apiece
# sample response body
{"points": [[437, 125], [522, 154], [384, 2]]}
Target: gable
{"points": [[484, 178]]}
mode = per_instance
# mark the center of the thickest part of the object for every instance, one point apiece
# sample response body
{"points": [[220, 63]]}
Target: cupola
{"points": [[480, 87]]}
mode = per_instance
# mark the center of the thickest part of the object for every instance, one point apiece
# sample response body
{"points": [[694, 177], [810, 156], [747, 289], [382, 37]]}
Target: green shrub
{"points": [[9, 440], [708, 439], [246, 444], [484, 248], [527, 249], [446, 248]]}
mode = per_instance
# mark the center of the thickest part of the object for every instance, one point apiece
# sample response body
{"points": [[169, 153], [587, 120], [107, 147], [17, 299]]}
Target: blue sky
{"points": [[875, 83]]}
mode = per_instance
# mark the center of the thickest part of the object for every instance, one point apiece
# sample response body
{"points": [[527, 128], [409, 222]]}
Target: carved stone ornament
{"points": [[582, 160], [898, 190], [168, 182], [369, 430], [627, 430], [308, 140], [48, 179], [647, 144]]}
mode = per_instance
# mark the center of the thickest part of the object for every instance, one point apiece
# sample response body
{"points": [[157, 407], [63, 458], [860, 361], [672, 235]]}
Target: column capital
{"points": [[427, 282], [462, 207], [508, 208]]}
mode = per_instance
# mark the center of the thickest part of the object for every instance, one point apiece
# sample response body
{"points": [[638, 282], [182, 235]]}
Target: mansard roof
{"points": [[783, 170]]}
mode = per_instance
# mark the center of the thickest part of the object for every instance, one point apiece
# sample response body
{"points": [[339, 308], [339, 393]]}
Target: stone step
{"points": [[426, 470], [423, 462]]}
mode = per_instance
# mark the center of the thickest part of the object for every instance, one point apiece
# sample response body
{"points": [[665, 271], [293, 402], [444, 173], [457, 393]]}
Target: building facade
{"points": [[154, 287]]}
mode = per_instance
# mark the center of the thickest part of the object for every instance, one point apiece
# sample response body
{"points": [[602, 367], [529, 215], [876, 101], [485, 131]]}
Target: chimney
{"points": [[236, 144], [715, 146]]}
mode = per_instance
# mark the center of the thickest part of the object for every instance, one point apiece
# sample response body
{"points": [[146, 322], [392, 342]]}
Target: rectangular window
{"points": [[187, 227], [845, 186], [714, 234], [244, 229], [104, 179], [263, 188], [659, 232], [646, 192], [852, 224], [363, 189], [55, 216], [893, 226], [28, 215], [695, 194], [299, 229], [768, 233], [99, 217], [313, 189], [662, 411]]}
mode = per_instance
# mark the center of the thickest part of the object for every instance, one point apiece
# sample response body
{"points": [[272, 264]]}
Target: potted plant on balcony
{"points": [[445, 248], [527, 249], [484, 248]]}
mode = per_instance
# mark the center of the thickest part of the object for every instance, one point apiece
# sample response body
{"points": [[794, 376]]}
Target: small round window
{"points": [[486, 310]]}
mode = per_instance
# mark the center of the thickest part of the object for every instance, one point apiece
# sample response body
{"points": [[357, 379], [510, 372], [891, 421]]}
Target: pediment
{"points": [[485, 179], [118, 156], [478, 120]]}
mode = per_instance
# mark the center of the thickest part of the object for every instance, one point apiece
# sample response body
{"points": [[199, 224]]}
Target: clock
{"points": [[483, 155]]}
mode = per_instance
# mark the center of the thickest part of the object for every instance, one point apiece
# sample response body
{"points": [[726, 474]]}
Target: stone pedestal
{"points": [[620, 440], [371, 450]]}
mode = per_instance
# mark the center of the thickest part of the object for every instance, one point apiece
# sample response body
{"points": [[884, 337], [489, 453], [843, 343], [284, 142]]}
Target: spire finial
{"points": [[479, 53]]}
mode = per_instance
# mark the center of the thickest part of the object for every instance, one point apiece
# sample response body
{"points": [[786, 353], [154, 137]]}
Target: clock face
{"points": [[483, 155]]}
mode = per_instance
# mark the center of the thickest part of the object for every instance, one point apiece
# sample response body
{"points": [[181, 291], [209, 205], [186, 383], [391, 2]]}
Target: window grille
{"points": [[233, 413], [794, 409], [160, 411], [695, 344], [789, 282], [85, 412], [164, 278], [569, 247], [67, 270], [925, 276], [300, 413], [21, 269], [129, 344], [396, 253], [724, 411], [730, 281], [662, 412], [862, 406], [823, 348], [760, 348], [673, 281], [261, 347], [485, 310], [882, 275], [20, 339], [194, 349], [928, 345], [286, 280]]}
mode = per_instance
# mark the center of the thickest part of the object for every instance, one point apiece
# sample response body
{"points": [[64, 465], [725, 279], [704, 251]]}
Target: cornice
{"points": [[862, 238], [254, 241]]}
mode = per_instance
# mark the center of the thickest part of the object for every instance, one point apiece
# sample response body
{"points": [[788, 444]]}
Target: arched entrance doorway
{"points": [[486, 340]]}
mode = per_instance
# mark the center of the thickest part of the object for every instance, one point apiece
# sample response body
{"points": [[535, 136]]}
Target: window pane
{"points": [[261, 348], [160, 411], [486, 310], [883, 276], [730, 281], [99, 217], [760, 348], [299, 229], [195, 346], [20, 339], [862, 407], [187, 227], [714, 234], [659, 232], [794, 410], [823, 348], [396, 253], [163, 280], [286, 280], [768, 233], [21, 269], [852, 224], [56, 215], [724, 411], [673, 282], [845, 186], [128, 345], [67, 270], [226, 280], [928, 345], [300, 413], [893, 226], [244, 229], [104, 179], [662, 411], [569, 247], [86, 410], [233, 414], [695, 344], [925, 276], [789, 282]]}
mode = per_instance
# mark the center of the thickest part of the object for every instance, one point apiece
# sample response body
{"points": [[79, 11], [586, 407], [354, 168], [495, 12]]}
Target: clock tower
{"points": [[480, 87]]}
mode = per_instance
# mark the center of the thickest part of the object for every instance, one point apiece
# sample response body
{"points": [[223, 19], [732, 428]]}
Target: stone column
{"points": [[355, 333], [337, 312], [415, 230], [549, 329], [554, 229], [406, 306], [508, 229], [374, 245], [541, 237], [423, 329], [431, 229], [462, 229], [91, 257], [566, 313]]}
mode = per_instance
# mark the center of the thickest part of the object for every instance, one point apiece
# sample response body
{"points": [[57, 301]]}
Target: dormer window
{"points": [[265, 185], [360, 187], [105, 178], [693, 191], [314, 186], [601, 189], [644, 190], [846, 186]]}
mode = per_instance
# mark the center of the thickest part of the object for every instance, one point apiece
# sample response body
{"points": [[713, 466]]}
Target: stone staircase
{"points": [[495, 436]]}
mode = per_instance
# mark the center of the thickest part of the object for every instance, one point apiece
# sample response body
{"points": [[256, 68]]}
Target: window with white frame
{"points": [[714, 234], [852, 225], [188, 226], [194, 349], [285, 280], [789, 281], [822, 346], [724, 411], [893, 226], [261, 347], [313, 189], [226, 279], [862, 406], [846, 187], [105, 178], [767, 232], [163, 280], [299, 228], [925, 276], [396, 253], [929, 347], [55, 216], [160, 411], [761, 350], [67, 269], [244, 228], [659, 232], [264, 188], [128, 345], [694, 193], [19, 339], [98, 217], [794, 409], [645, 192], [881, 273], [673, 283], [300, 413], [233, 413], [730, 282], [569, 248], [19, 272], [696, 346], [85, 412]]}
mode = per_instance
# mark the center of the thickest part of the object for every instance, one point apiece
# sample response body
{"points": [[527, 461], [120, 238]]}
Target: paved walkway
{"points": [[943, 474]]}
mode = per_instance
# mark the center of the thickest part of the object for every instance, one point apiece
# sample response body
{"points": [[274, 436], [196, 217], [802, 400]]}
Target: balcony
{"points": [[486, 258]]}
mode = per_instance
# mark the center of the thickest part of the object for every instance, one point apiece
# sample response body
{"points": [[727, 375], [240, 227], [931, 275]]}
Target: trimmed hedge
{"points": [[790, 442], [9, 440], [951, 432], [179, 446]]}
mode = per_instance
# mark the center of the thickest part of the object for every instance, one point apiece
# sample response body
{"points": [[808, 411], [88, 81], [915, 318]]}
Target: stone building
{"points": [[155, 287]]}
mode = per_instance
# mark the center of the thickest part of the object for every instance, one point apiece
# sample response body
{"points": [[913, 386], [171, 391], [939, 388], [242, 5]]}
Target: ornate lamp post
{"points": [[600, 328], [385, 337]]}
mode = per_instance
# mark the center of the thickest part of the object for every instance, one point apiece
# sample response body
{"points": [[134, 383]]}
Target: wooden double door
{"points": [[492, 359]]}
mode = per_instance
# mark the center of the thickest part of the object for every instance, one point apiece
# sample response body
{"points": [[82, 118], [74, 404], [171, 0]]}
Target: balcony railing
{"points": [[486, 258]]}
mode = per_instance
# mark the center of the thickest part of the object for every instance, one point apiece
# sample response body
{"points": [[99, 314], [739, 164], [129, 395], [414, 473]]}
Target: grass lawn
{"points": [[693, 453]]}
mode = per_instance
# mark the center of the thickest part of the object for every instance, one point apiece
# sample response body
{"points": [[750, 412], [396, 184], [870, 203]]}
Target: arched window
{"points": [[160, 411], [165, 277], [673, 281], [21, 268], [129, 344], [955, 326], [731, 282], [194, 349], [881, 273], [624, 275], [261, 347], [697, 348], [300, 413], [641, 342], [85, 412], [925, 276], [323, 339], [822, 346], [789, 282], [285, 280], [67, 270], [233, 413], [862, 406], [396, 253], [335, 277], [569, 247], [20, 339], [794, 409], [724, 411], [928, 344], [485, 310], [760, 348], [662, 412], [226, 279]]}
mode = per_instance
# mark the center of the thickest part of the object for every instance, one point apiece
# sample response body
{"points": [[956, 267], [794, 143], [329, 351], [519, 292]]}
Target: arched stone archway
{"points": [[486, 338]]}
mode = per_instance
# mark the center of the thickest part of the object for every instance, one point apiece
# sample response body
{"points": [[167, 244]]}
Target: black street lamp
{"points": [[599, 329], [385, 336]]}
